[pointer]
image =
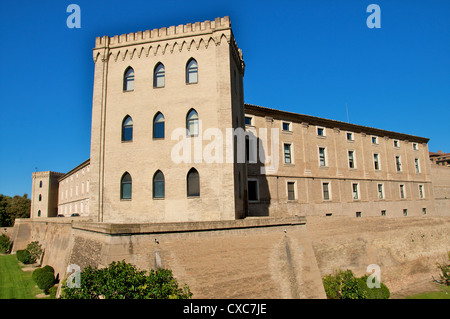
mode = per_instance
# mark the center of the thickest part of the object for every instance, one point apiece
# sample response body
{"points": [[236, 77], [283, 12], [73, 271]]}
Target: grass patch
{"points": [[444, 293], [14, 282]]}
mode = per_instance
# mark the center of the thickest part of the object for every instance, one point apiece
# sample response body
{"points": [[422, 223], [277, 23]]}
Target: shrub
{"points": [[48, 268], [373, 293], [24, 256], [344, 285], [36, 274], [5, 244], [35, 250], [445, 274], [52, 291], [45, 281], [121, 280]]}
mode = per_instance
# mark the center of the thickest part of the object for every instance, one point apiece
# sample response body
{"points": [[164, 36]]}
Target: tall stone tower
{"points": [[44, 194], [148, 87]]}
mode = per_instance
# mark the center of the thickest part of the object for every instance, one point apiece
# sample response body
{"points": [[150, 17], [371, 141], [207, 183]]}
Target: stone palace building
{"points": [[172, 140]]}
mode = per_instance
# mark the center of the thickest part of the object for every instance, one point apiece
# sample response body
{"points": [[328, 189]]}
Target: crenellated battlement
{"points": [[182, 30], [171, 39]]}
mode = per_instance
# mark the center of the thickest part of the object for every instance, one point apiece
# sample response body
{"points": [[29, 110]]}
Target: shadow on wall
{"points": [[258, 186]]}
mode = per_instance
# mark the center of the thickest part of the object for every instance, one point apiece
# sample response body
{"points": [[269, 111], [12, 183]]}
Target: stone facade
{"points": [[302, 166], [44, 195], [217, 97], [358, 165], [74, 191]]}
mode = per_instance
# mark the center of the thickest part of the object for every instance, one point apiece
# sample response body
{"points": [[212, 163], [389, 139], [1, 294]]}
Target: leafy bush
{"points": [[35, 250], [445, 274], [344, 285], [48, 268], [52, 292], [24, 256], [36, 273], [121, 280], [45, 281], [5, 244], [373, 293]]}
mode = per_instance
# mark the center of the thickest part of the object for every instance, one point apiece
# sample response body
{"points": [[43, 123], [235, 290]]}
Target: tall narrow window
{"points": [[125, 186], [376, 161], [192, 123], [402, 191], [421, 195], [291, 190], [158, 126], [159, 76], [158, 185], [192, 71], [355, 191], [193, 183], [128, 79], [380, 191], [398, 164], [326, 191], [127, 129], [40, 184], [322, 159], [287, 153], [416, 165], [351, 159]]}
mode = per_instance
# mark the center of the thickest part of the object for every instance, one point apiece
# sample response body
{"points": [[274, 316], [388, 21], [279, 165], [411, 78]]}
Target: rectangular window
{"points": [[291, 190], [248, 120], [421, 194], [322, 159], [415, 146], [351, 160], [402, 191], [376, 161], [416, 165], [424, 211], [380, 191], [253, 190], [398, 164], [320, 131], [358, 214], [286, 126], [405, 212], [349, 136], [326, 191], [375, 140], [383, 213], [287, 153], [396, 143], [355, 190]]}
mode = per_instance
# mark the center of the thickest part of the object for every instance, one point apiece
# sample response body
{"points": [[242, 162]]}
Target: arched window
{"points": [[159, 76], [158, 185], [192, 71], [125, 186], [127, 129], [158, 125], [40, 184], [40, 197], [128, 79], [39, 213], [193, 183], [192, 123]]}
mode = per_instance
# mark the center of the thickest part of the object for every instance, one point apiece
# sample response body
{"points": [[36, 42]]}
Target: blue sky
{"points": [[310, 57]]}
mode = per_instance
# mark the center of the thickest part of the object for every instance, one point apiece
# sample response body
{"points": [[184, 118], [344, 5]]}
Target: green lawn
{"points": [[444, 293], [14, 282]]}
